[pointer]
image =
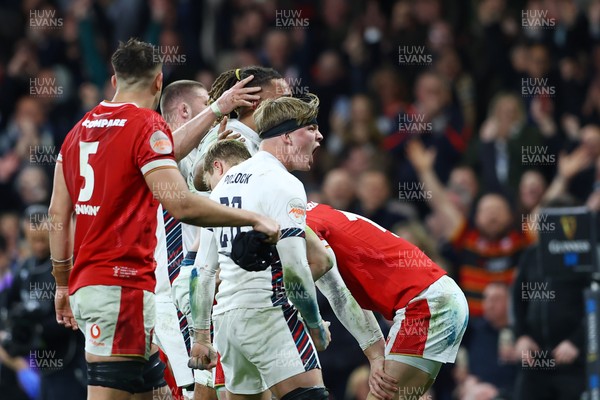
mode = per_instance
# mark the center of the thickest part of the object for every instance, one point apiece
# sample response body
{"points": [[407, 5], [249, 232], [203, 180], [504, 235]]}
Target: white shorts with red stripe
{"points": [[262, 347], [115, 320], [431, 326]]}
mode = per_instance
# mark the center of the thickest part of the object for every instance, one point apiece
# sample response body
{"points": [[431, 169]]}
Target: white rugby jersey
{"points": [[187, 166], [263, 185]]}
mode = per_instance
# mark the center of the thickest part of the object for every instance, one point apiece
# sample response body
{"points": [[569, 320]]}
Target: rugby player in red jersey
{"points": [[389, 275], [114, 168]]}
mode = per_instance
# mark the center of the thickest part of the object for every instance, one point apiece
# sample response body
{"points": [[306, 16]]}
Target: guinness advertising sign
{"points": [[570, 247]]}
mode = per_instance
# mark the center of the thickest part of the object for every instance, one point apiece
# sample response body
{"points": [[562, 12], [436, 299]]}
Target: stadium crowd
{"points": [[448, 122]]}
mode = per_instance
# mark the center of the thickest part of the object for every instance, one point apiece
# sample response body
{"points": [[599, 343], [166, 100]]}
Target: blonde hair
{"points": [[272, 112], [230, 151]]}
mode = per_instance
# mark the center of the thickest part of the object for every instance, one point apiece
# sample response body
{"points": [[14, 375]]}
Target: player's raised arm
{"points": [[202, 293], [422, 160], [189, 135], [170, 189], [61, 246]]}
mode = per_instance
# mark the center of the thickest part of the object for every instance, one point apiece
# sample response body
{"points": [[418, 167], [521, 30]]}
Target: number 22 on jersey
{"points": [[225, 239]]}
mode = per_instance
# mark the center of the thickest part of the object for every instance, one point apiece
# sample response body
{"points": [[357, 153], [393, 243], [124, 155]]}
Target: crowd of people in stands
{"points": [[497, 117]]}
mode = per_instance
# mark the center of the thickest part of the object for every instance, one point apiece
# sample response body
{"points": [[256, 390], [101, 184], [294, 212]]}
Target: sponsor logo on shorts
{"points": [[95, 331], [296, 209], [160, 143]]}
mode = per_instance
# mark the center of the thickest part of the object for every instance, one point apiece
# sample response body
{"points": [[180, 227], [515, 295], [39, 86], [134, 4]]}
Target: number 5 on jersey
{"points": [[85, 169]]}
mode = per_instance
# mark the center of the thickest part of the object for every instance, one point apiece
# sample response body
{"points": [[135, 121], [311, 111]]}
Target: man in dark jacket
{"points": [[549, 327]]}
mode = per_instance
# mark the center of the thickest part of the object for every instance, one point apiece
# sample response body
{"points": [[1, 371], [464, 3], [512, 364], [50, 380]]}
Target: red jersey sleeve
{"points": [[154, 149]]}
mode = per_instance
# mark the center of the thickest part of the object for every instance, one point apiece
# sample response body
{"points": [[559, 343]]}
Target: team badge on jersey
{"points": [[160, 143], [296, 209]]}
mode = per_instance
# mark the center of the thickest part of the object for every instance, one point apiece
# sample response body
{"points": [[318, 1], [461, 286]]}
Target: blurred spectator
{"points": [[338, 190], [506, 144], [33, 186], [376, 202], [329, 84], [550, 335], [488, 341], [449, 65], [437, 121], [358, 128], [391, 97], [531, 190], [10, 230], [487, 250]]}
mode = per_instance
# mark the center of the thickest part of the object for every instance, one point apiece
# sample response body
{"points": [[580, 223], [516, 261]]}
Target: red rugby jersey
{"points": [[383, 271], [105, 157]]}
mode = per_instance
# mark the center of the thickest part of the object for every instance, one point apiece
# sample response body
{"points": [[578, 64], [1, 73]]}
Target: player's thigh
{"points": [[203, 392], [260, 396], [290, 360], [232, 331], [413, 381], [117, 322]]}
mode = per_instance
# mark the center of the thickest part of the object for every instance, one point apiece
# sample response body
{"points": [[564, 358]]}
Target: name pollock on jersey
{"points": [[103, 123], [86, 209], [238, 178]]}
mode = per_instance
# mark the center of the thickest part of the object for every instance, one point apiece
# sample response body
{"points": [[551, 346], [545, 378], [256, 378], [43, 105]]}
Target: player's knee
{"points": [[153, 374], [313, 393], [120, 375]]}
